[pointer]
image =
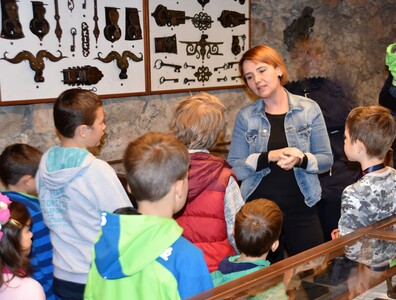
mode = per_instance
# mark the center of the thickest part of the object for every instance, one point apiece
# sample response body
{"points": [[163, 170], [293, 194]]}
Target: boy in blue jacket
{"points": [[143, 255]]}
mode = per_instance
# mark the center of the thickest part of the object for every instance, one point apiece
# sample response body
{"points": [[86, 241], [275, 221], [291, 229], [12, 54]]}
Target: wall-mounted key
{"points": [[235, 77], [187, 80], [159, 64], [225, 67], [186, 66], [163, 79], [73, 32], [231, 64], [222, 79]]}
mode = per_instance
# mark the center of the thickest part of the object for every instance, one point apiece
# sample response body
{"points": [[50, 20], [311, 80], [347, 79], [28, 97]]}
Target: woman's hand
{"points": [[287, 158], [275, 155]]}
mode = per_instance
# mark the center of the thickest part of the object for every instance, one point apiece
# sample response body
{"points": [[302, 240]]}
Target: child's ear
{"points": [[361, 148], [81, 131], [275, 246], [128, 188], [27, 180], [179, 188]]}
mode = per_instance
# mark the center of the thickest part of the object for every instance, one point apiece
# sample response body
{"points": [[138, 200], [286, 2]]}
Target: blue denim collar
{"points": [[294, 104]]}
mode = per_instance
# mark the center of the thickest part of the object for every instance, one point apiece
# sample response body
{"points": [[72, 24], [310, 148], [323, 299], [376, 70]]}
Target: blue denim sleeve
{"points": [[320, 145], [239, 149]]}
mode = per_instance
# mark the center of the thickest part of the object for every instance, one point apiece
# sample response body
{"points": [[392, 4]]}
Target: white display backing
{"points": [[17, 80], [17, 84], [187, 32]]}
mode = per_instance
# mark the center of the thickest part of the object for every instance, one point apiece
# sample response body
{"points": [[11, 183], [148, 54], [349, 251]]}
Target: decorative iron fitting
{"points": [[202, 48]]}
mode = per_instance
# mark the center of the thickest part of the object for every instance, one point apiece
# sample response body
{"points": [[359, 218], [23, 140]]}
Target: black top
{"points": [[279, 185]]}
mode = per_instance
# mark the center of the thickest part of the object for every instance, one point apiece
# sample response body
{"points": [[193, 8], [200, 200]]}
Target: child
{"points": [[144, 256], [387, 95], [390, 61], [369, 133], [75, 187], [15, 243], [18, 167], [257, 228], [213, 194]]}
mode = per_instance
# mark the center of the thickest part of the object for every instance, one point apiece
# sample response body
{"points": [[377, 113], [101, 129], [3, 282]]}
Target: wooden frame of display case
{"points": [[248, 285]]}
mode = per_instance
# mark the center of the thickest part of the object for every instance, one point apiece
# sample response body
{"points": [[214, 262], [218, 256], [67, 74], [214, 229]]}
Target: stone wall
{"points": [[347, 43]]}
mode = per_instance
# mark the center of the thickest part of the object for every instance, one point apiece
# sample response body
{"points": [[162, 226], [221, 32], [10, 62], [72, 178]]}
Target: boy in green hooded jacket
{"points": [[140, 254], [390, 60]]}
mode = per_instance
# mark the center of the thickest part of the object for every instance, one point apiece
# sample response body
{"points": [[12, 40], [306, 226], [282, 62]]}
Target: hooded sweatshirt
{"points": [[390, 60], [230, 268], [74, 188], [145, 257]]}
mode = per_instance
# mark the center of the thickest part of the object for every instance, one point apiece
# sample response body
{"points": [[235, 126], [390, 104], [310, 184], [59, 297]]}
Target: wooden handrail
{"points": [[265, 278]]}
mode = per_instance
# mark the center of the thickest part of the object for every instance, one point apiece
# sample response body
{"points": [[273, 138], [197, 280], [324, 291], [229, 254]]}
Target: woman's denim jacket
{"points": [[305, 129]]}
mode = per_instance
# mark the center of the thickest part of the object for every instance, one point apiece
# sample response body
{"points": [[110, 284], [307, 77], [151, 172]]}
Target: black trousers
{"points": [[301, 230]]}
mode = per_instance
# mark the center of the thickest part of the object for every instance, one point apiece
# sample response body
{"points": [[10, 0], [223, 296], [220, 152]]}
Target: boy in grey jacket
{"points": [[75, 187]]}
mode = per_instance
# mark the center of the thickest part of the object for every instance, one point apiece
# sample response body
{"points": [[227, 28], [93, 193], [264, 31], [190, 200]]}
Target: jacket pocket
{"points": [[251, 136], [304, 131]]}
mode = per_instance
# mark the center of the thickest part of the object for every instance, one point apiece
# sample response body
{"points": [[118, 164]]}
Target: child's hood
{"points": [[60, 165], [204, 169], [129, 243]]}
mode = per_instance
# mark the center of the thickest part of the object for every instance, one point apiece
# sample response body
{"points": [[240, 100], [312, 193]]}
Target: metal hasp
{"points": [[202, 48], [36, 62], [112, 31], [235, 46], [165, 17], [122, 60], [299, 29], [11, 27], [86, 75], [133, 31], [39, 25], [229, 18], [166, 44]]}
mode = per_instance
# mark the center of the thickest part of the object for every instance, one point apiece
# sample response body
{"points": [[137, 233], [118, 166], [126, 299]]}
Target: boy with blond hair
{"points": [[213, 195]]}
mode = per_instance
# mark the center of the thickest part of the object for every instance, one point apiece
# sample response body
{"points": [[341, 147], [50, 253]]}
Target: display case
{"points": [[319, 273]]}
